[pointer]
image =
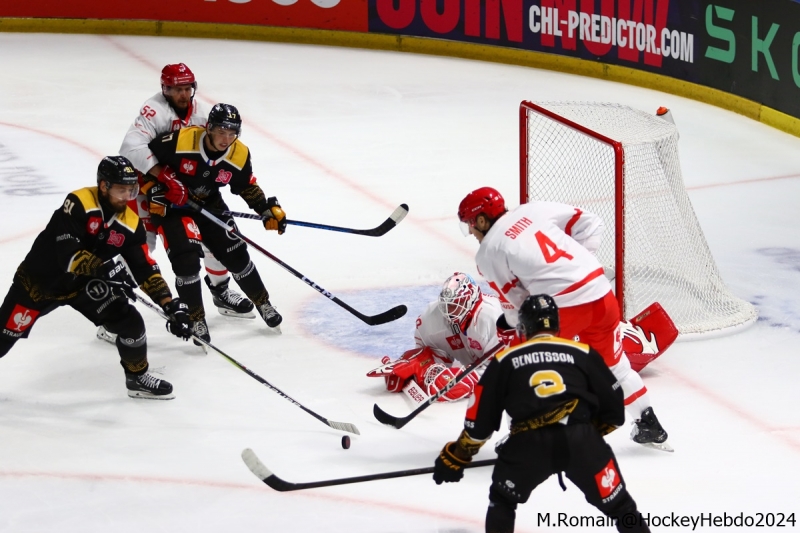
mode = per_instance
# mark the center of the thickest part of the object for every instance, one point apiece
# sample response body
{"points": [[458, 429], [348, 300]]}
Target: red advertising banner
{"points": [[349, 15]]}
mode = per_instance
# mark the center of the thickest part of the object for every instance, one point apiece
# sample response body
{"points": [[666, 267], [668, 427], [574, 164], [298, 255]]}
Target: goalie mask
{"points": [[459, 297]]}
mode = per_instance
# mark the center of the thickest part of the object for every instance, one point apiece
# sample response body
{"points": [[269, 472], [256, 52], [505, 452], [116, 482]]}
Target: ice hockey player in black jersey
{"points": [[562, 399], [197, 162], [73, 262]]}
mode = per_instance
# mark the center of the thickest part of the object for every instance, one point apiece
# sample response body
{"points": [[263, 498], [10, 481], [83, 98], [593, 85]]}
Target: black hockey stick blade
{"points": [[382, 318], [394, 219], [269, 478], [385, 418]]}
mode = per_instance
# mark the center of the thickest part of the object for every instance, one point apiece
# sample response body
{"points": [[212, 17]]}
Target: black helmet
{"points": [[537, 314], [225, 116], [117, 169]]}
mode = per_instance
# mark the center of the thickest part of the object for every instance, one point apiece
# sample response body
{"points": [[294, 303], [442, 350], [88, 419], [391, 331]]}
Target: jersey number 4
{"points": [[547, 383]]}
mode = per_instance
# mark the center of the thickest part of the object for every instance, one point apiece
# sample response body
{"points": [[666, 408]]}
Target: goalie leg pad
{"points": [[647, 335]]}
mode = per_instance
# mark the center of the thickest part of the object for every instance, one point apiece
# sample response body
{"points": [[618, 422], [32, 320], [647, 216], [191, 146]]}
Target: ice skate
{"points": [[104, 335], [271, 316], [229, 302], [200, 329], [148, 387], [647, 431]]}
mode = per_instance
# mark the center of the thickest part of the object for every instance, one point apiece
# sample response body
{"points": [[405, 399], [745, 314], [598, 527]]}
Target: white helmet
{"points": [[460, 294]]}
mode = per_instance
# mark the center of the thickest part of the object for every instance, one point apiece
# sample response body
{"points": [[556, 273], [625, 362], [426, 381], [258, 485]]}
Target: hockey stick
{"points": [[265, 474], [342, 426], [374, 320], [398, 422], [394, 219]]}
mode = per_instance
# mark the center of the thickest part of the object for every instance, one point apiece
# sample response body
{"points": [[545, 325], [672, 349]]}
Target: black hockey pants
{"points": [[527, 459]]}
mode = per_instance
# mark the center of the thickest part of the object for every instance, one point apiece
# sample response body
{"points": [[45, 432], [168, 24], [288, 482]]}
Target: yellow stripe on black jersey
{"points": [[539, 340], [90, 202], [190, 139]]}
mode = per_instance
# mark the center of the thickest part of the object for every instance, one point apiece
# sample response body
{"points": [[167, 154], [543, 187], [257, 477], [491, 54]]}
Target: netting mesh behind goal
{"points": [[666, 258]]}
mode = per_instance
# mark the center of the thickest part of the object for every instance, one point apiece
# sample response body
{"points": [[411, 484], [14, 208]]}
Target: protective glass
{"points": [[464, 226], [123, 192]]}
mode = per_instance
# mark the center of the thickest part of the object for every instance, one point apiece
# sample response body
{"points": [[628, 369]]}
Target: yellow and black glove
{"points": [[449, 467], [276, 218]]}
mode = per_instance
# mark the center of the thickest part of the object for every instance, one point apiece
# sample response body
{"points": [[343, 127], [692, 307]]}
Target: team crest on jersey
{"points": [[21, 318], [188, 166], [475, 345], [93, 225], [608, 480], [224, 176], [116, 239], [192, 231], [455, 342]]}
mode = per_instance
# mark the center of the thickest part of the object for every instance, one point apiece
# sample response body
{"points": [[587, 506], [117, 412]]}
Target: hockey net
{"points": [[623, 165]]}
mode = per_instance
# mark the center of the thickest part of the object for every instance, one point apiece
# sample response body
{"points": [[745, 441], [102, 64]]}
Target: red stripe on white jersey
{"points": [[575, 286], [572, 221], [635, 396]]}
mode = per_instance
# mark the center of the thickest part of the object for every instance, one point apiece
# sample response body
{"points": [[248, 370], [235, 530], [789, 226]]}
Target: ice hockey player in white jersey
{"points": [[453, 332], [170, 110], [548, 248]]}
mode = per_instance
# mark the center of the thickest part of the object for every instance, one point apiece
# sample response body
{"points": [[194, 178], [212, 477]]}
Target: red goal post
{"points": [[623, 164]]}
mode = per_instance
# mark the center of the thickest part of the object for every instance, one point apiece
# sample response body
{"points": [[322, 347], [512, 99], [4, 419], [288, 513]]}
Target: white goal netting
{"points": [[622, 164]]}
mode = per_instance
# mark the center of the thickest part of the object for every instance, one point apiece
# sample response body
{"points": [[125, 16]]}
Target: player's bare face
{"points": [[475, 233], [218, 139], [179, 96]]}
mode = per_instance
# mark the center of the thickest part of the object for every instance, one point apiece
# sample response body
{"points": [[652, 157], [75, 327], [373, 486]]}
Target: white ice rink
{"points": [[342, 137]]}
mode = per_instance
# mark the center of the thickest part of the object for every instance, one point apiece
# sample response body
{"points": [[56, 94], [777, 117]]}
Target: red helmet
{"points": [[484, 200], [178, 74]]}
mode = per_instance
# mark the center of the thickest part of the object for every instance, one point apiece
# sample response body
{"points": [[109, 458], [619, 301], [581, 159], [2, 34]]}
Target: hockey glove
{"points": [[276, 218], [176, 191], [178, 322], [449, 467], [116, 275], [156, 196], [505, 333]]}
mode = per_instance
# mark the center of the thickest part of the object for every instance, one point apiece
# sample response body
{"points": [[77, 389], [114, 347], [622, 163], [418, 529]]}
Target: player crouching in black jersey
{"points": [[73, 262], [562, 399]]}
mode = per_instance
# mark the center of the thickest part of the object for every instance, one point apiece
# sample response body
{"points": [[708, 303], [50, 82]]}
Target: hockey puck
{"points": [[345, 442]]}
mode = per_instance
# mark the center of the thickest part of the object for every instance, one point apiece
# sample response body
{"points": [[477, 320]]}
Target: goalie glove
{"points": [[276, 218]]}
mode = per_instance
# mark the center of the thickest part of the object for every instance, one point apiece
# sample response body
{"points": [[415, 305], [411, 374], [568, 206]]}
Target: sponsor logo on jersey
{"points": [[608, 481], [475, 345], [93, 225], [455, 342], [188, 166], [224, 176], [116, 239], [474, 401], [21, 318], [192, 231]]}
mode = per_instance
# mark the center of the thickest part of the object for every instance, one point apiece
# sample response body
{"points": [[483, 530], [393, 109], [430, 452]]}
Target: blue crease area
{"points": [[334, 325]]}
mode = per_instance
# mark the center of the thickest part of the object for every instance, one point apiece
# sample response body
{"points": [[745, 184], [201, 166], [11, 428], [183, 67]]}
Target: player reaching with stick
{"points": [[547, 248], [173, 108], [562, 399], [195, 164], [73, 262]]}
